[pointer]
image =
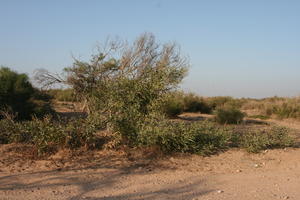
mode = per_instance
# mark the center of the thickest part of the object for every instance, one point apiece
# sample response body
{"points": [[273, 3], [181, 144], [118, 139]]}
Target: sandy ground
{"points": [[235, 174]]}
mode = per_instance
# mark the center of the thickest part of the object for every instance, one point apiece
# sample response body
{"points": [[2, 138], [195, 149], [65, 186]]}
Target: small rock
{"points": [[286, 197], [220, 191], [256, 165], [238, 170]]}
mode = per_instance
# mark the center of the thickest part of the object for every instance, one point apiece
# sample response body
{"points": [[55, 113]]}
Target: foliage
{"points": [[194, 103], [178, 102], [172, 105], [128, 82], [229, 116], [8, 130], [201, 138], [276, 137], [19, 97], [275, 107], [47, 134], [224, 101]]}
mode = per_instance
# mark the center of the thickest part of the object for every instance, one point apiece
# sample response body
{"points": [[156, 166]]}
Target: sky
{"points": [[235, 48]]}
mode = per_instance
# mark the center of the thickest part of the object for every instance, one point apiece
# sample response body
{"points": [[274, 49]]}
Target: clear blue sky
{"points": [[238, 48]]}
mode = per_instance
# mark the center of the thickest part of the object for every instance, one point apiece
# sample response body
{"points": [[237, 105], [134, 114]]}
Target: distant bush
{"points": [[179, 102], [224, 101], [194, 103], [277, 107], [173, 105], [63, 94], [229, 116], [18, 96]]}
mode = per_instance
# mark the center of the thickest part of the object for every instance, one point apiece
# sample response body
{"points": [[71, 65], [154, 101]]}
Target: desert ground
{"points": [[135, 175]]}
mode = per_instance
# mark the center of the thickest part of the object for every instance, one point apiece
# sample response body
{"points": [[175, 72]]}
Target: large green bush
{"points": [[129, 82], [18, 96]]}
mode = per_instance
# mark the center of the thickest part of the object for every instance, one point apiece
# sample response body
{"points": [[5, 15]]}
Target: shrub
{"points": [[194, 103], [8, 130], [229, 116], [48, 135], [178, 102], [172, 105], [200, 138], [276, 137]]}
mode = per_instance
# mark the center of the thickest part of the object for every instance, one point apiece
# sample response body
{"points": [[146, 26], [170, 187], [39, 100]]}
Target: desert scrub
{"points": [[201, 138], [256, 141], [229, 116], [47, 135], [224, 101], [277, 107], [44, 134], [8, 131]]}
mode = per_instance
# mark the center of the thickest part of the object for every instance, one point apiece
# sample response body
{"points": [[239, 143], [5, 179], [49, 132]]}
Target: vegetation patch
{"points": [[229, 116]]}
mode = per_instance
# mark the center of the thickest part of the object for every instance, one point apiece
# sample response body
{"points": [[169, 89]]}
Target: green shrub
{"points": [[128, 84], [173, 105], [8, 130], [200, 138], [194, 103], [276, 137], [229, 116], [178, 102], [48, 135]]}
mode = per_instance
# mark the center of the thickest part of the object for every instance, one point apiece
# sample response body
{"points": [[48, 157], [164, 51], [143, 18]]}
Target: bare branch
{"points": [[47, 79]]}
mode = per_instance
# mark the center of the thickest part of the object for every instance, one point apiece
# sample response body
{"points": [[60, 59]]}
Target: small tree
{"points": [[127, 83]]}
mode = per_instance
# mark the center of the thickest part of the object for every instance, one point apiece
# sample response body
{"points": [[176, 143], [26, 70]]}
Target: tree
{"points": [[18, 96]]}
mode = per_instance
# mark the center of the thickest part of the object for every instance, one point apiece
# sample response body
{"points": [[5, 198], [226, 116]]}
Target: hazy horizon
{"points": [[236, 48]]}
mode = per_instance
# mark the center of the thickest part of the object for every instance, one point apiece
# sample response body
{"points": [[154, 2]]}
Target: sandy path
{"points": [[231, 175]]}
